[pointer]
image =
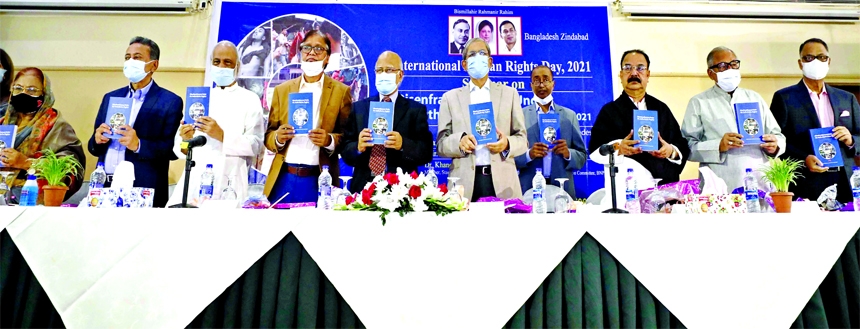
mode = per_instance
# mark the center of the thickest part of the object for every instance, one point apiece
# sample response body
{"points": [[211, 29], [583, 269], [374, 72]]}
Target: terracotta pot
{"points": [[54, 195], [782, 201]]}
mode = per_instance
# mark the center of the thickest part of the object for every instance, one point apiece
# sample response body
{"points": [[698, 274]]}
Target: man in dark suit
{"points": [[410, 143], [557, 160], [147, 139], [461, 29], [813, 104], [614, 123]]}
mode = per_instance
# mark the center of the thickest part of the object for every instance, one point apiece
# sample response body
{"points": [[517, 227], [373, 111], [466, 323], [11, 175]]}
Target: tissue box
{"points": [[136, 197], [715, 204]]}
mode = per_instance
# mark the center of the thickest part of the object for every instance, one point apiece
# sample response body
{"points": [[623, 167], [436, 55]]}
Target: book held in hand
{"points": [[826, 147], [196, 103], [748, 116], [302, 112], [380, 120], [483, 123], [118, 114], [7, 136], [645, 130], [549, 128]]}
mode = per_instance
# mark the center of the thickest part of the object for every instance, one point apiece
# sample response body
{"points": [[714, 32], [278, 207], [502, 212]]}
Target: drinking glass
{"points": [[345, 181], [562, 200], [452, 188], [228, 193]]}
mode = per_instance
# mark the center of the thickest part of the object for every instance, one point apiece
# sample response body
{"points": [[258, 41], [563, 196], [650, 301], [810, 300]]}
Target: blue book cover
{"points": [[302, 112], [7, 136], [645, 130], [483, 123], [196, 103], [380, 120], [118, 114], [549, 127], [749, 122], [826, 147]]}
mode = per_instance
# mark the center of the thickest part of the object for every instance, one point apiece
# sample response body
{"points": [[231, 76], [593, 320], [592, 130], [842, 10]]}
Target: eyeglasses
{"points": [[386, 70], [809, 58], [316, 49], [720, 67], [32, 91], [639, 68], [537, 82], [479, 52]]}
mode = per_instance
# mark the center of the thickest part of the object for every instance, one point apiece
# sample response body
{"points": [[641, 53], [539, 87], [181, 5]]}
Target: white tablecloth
{"points": [[159, 268]]}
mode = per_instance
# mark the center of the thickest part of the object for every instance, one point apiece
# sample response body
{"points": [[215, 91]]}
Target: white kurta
{"points": [[238, 112], [709, 116]]}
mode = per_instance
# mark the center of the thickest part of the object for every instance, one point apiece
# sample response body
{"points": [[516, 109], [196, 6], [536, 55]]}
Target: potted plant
{"points": [[55, 169], [782, 173]]}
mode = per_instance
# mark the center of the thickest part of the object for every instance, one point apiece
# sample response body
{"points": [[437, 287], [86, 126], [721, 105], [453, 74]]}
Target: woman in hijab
{"points": [[40, 127]]}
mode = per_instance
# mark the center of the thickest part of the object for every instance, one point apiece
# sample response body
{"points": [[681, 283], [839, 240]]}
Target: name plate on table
{"points": [[715, 204]]}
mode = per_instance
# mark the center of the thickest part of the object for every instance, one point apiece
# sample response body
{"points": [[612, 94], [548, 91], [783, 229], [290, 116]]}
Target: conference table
{"points": [[173, 268]]}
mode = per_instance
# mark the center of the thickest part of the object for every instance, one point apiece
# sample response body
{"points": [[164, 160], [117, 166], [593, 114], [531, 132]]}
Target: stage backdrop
{"points": [[573, 41]]}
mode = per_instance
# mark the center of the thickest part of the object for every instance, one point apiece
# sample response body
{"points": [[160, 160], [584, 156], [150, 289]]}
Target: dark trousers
{"points": [[302, 189], [811, 191], [483, 183]]}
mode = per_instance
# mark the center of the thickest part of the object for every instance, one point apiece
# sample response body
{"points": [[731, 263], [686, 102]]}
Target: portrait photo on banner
{"points": [[485, 28], [460, 31], [510, 36]]}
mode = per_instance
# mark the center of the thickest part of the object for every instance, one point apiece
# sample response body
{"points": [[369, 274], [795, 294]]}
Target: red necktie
{"points": [[377, 154]]}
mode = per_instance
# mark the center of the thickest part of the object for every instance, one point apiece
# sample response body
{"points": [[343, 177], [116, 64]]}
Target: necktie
{"points": [[377, 154]]}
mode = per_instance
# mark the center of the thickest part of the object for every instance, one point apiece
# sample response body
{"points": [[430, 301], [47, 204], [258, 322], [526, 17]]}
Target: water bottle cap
{"points": [[209, 166], [749, 170], [325, 167], [100, 164], [629, 169], [539, 170], [856, 168], [31, 177]]}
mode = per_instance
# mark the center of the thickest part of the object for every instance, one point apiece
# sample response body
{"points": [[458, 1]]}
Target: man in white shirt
{"points": [[299, 158], [233, 131], [483, 170], [710, 125]]}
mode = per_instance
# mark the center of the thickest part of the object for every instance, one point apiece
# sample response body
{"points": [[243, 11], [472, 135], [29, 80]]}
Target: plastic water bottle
{"points": [[751, 192], [631, 193], [855, 187], [207, 184], [324, 200], [431, 176], [30, 192], [538, 187], [98, 177]]}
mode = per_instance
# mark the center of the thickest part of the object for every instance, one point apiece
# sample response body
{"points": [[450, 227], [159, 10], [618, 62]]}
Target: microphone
{"points": [[607, 149], [194, 142]]}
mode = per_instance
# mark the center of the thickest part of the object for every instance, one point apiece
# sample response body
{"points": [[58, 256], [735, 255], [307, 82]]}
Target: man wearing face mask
{"points": [[809, 104], [147, 139], [410, 143], [234, 130], [299, 158], [484, 170], [567, 154], [614, 124], [710, 125]]}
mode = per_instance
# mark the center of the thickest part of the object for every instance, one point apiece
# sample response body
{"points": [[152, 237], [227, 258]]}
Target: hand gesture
{"points": [[364, 140], [129, 137], [665, 151], [731, 141], [99, 134], [468, 144], [814, 164], [285, 132], [208, 126], [394, 141], [501, 145], [319, 137], [627, 146], [538, 150], [769, 146], [560, 148], [843, 135]]}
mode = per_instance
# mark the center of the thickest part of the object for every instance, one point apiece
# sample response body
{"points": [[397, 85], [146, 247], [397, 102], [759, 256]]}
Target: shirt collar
{"points": [[812, 92], [393, 96], [143, 91], [539, 109], [232, 88], [473, 87], [317, 84]]}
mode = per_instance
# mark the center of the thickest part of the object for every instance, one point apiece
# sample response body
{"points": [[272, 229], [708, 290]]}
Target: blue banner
{"points": [[572, 41]]}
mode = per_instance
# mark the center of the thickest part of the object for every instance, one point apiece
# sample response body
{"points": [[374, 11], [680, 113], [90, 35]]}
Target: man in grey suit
{"points": [[484, 170], [566, 154]]}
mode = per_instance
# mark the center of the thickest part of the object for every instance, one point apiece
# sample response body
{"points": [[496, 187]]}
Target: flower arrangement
{"points": [[402, 193]]}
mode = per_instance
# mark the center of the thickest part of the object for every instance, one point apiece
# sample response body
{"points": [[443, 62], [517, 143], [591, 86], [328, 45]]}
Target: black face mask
{"points": [[24, 103]]}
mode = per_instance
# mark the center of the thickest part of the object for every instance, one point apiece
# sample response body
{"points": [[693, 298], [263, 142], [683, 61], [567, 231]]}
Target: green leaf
{"points": [[54, 169]]}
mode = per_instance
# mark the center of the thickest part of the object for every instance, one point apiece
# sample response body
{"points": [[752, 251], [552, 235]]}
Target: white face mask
{"points": [[2, 74], [729, 80], [816, 70], [386, 83], [312, 69], [542, 101], [223, 76], [135, 70]]}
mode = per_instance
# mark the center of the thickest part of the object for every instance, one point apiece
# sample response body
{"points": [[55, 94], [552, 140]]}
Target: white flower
{"points": [[418, 204]]}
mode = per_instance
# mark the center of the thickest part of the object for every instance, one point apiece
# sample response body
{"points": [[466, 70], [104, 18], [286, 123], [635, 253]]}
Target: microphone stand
{"points": [[612, 171], [188, 165]]}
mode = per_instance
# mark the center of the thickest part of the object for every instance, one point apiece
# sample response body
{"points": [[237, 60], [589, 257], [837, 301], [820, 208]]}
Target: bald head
{"points": [[225, 55], [389, 59]]}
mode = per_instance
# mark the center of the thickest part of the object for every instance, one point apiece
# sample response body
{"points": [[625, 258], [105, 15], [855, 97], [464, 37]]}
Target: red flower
{"points": [[414, 175], [414, 192], [372, 188], [365, 196], [391, 178], [350, 199], [443, 188]]}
